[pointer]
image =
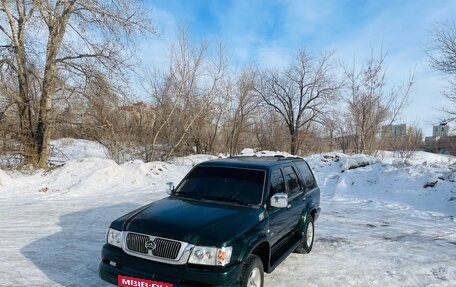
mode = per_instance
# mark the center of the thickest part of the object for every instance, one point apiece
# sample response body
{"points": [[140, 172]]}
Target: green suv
{"points": [[225, 224]]}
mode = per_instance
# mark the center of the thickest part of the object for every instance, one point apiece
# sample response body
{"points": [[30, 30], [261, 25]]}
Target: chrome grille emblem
{"points": [[156, 248], [150, 245]]}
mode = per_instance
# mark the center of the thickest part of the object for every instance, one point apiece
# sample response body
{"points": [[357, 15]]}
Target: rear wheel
{"points": [[307, 237], [252, 273]]}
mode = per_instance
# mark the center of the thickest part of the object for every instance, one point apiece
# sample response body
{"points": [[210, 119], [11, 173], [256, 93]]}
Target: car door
{"points": [[296, 190], [283, 220], [277, 216]]}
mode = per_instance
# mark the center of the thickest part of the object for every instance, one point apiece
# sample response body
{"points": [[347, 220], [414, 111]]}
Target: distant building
{"points": [[401, 137], [396, 130], [429, 141], [443, 138], [445, 129]]}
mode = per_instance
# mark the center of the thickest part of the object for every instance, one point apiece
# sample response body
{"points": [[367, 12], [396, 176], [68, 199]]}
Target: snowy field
{"points": [[380, 225]]}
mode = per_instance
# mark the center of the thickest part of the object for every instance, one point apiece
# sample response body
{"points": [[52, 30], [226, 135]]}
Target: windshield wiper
{"points": [[227, 199], [188, 194]]}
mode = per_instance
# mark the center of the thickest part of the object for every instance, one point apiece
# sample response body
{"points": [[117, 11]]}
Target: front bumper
{"points": [[178, 275]]}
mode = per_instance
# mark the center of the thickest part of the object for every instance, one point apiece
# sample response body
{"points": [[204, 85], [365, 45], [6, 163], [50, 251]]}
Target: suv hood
{"points": [[195, 222]]}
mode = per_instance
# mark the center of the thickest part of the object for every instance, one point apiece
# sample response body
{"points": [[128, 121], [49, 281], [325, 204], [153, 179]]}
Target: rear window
{"points": [[306, 174], [236, 185], [291, 180]]}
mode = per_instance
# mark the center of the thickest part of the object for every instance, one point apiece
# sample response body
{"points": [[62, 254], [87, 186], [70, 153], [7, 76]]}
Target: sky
{"points": [[269, 33]]}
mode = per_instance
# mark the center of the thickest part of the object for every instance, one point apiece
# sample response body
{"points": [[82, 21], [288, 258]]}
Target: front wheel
{"points": [[252, 273], [307, 237]]}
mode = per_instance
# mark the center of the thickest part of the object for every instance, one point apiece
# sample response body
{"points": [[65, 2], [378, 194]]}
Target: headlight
{"points": [[114, 237], [210, 255]]}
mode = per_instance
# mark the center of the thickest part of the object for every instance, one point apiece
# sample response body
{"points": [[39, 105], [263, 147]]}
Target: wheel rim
{"points": [[254, 278], [310, 234]]}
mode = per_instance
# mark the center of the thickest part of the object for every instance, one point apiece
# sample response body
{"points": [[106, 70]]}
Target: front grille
{"points": [[137, 242], [164, 248]]}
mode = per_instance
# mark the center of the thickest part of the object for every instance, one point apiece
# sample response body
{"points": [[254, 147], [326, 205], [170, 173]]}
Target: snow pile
{"points": [[252, 152], [452, 176], [355, 161], [379, 225], [4, 178], [425, 185], [418, 157], [95, 175], [191, 160], [66, 149]]}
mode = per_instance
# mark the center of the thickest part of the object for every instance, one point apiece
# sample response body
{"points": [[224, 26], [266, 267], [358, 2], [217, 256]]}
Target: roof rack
{"points": [[278, 157], [290, 158]]}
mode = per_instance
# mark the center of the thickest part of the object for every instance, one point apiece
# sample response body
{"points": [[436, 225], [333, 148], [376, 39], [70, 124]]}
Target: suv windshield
{"points": [[226, 184]]}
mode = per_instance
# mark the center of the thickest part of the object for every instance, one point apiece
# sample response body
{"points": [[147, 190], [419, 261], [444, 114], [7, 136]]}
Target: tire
{"points": [[307, 239], [252, 272]]}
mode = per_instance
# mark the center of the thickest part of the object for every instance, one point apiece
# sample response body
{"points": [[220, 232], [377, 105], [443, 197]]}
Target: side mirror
{"points": [[170, 189], [279, 200]]}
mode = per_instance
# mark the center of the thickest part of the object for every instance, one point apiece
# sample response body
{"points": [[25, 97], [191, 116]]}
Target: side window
{"points": [[277, 182], [291, 180], [306, 174]]}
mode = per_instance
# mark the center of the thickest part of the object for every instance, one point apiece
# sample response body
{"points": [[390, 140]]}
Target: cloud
{"points": [[270, 32], [273, 57], [306, 18], [154, 51], [402, 31]]}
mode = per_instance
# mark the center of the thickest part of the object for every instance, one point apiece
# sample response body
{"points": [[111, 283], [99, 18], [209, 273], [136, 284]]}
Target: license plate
{"points": [[125, 281]]}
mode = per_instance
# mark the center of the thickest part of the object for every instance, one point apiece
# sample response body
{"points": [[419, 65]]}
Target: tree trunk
{"points": [[294, 142], [22, 100], [45, 118], [57, 27], [25, 116]]}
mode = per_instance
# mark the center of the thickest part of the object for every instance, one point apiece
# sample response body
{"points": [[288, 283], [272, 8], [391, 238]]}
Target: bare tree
{"points": [[369, 105], [300, 94], [75, 39], [406, 145], [270, 131], [241, 104], [442, 55], [15, 64], [183, 96], [197, 103], [104, 120]]}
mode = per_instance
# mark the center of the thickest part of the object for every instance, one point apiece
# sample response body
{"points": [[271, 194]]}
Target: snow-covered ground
{"points": [[65, 149], [379, 225]]}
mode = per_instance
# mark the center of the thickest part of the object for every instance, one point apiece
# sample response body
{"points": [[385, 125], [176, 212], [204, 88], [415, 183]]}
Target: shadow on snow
{"points": [[71, 256]]}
